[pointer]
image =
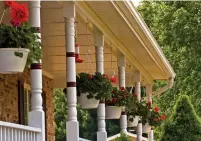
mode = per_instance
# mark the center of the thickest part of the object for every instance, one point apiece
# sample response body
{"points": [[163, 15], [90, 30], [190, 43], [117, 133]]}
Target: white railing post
{"points": [[36, 115], [137, 77], [149, 99], [72, 125], [122, 83], [99, 44]]}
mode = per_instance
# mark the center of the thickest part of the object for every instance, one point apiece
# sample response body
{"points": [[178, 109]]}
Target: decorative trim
{"points": [[70, 54], [71, 84], [36, 66]]}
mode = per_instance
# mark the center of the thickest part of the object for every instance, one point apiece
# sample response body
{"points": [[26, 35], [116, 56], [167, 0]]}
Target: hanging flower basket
{"points": [[114, 106], [92, 88], [133, 123], [19, 45], [146, 128], [86, 103], [10, 63], [113, 112]]}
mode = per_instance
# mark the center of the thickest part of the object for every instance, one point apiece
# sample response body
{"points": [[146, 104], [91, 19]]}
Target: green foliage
{"points": [[184, 124], [176, 26], [86, 118], [22, 36], [123, 137], [119, 98], [97, 85]]}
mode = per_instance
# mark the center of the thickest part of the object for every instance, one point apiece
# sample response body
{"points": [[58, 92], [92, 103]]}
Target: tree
{"points": [[176, 26], [184, 124], [87, 122]]}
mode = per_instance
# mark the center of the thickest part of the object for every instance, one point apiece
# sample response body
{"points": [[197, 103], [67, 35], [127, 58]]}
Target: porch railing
{"points": [[16, 132]]}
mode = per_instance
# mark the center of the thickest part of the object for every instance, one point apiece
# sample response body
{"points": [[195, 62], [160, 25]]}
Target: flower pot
{"points": [[86, 103], [146, 128], [113, 112], [134, 123], [10, 63]]}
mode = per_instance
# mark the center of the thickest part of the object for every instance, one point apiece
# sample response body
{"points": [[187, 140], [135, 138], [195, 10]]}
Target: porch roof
{"points": [[123, 28]]}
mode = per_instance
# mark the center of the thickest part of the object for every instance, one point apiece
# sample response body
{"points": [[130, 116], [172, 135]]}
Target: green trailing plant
{"points": [[98, 86], [120, 97], [20, 34], [123, 137], [184, 124]]}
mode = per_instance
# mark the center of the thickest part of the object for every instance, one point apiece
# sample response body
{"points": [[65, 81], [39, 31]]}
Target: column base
{"points": [[101, 136], [72, 131], [37, 119]]}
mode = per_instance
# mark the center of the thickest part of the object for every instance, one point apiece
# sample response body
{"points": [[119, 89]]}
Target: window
{"points": [[24, 103]]}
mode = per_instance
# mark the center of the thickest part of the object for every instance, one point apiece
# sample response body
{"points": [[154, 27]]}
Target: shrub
{"points": [[184, 124], [123, 137]]}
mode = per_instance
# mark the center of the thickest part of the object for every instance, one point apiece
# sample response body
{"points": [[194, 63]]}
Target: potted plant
{"points": [[120, 98], [92, 88], [132, 112], [153, 119], [19, 45], [123, 137]]}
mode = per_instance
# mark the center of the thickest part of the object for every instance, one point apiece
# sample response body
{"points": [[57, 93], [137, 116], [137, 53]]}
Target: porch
{"points": [[113, 40]]}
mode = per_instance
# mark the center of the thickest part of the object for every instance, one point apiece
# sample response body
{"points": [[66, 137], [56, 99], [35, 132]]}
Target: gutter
{"points": [[165, 88]]}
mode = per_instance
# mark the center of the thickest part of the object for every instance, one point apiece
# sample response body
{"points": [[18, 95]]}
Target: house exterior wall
{"points": [[9, 110]]}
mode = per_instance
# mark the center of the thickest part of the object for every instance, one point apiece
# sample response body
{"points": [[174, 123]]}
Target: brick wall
{"points": [[9, 100]]}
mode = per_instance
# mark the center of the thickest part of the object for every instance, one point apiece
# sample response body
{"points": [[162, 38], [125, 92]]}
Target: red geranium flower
{"points": [[90, 76], [155, 119], [134, 95], [113, 79], [156, 109], [8, 3], [19, 13], [114, 100], [122, 88], [149, 103], [163, 117]]}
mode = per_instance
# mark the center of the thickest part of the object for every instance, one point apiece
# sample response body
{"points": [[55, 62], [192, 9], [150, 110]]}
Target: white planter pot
{"points": [[134, 123], [86, 103], [146, 128], [113, 112], [10, 63]]}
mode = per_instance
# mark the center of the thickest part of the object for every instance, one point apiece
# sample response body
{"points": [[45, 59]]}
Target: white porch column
{"points": [[122, 83], [99, 44], [72, 125], [149, 99], [137, 80], [36, 115]]}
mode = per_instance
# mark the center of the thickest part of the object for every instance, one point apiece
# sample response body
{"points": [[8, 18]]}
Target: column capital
{"points": [[98, 38], [137, 76], [121, 59], [69, 10]]}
